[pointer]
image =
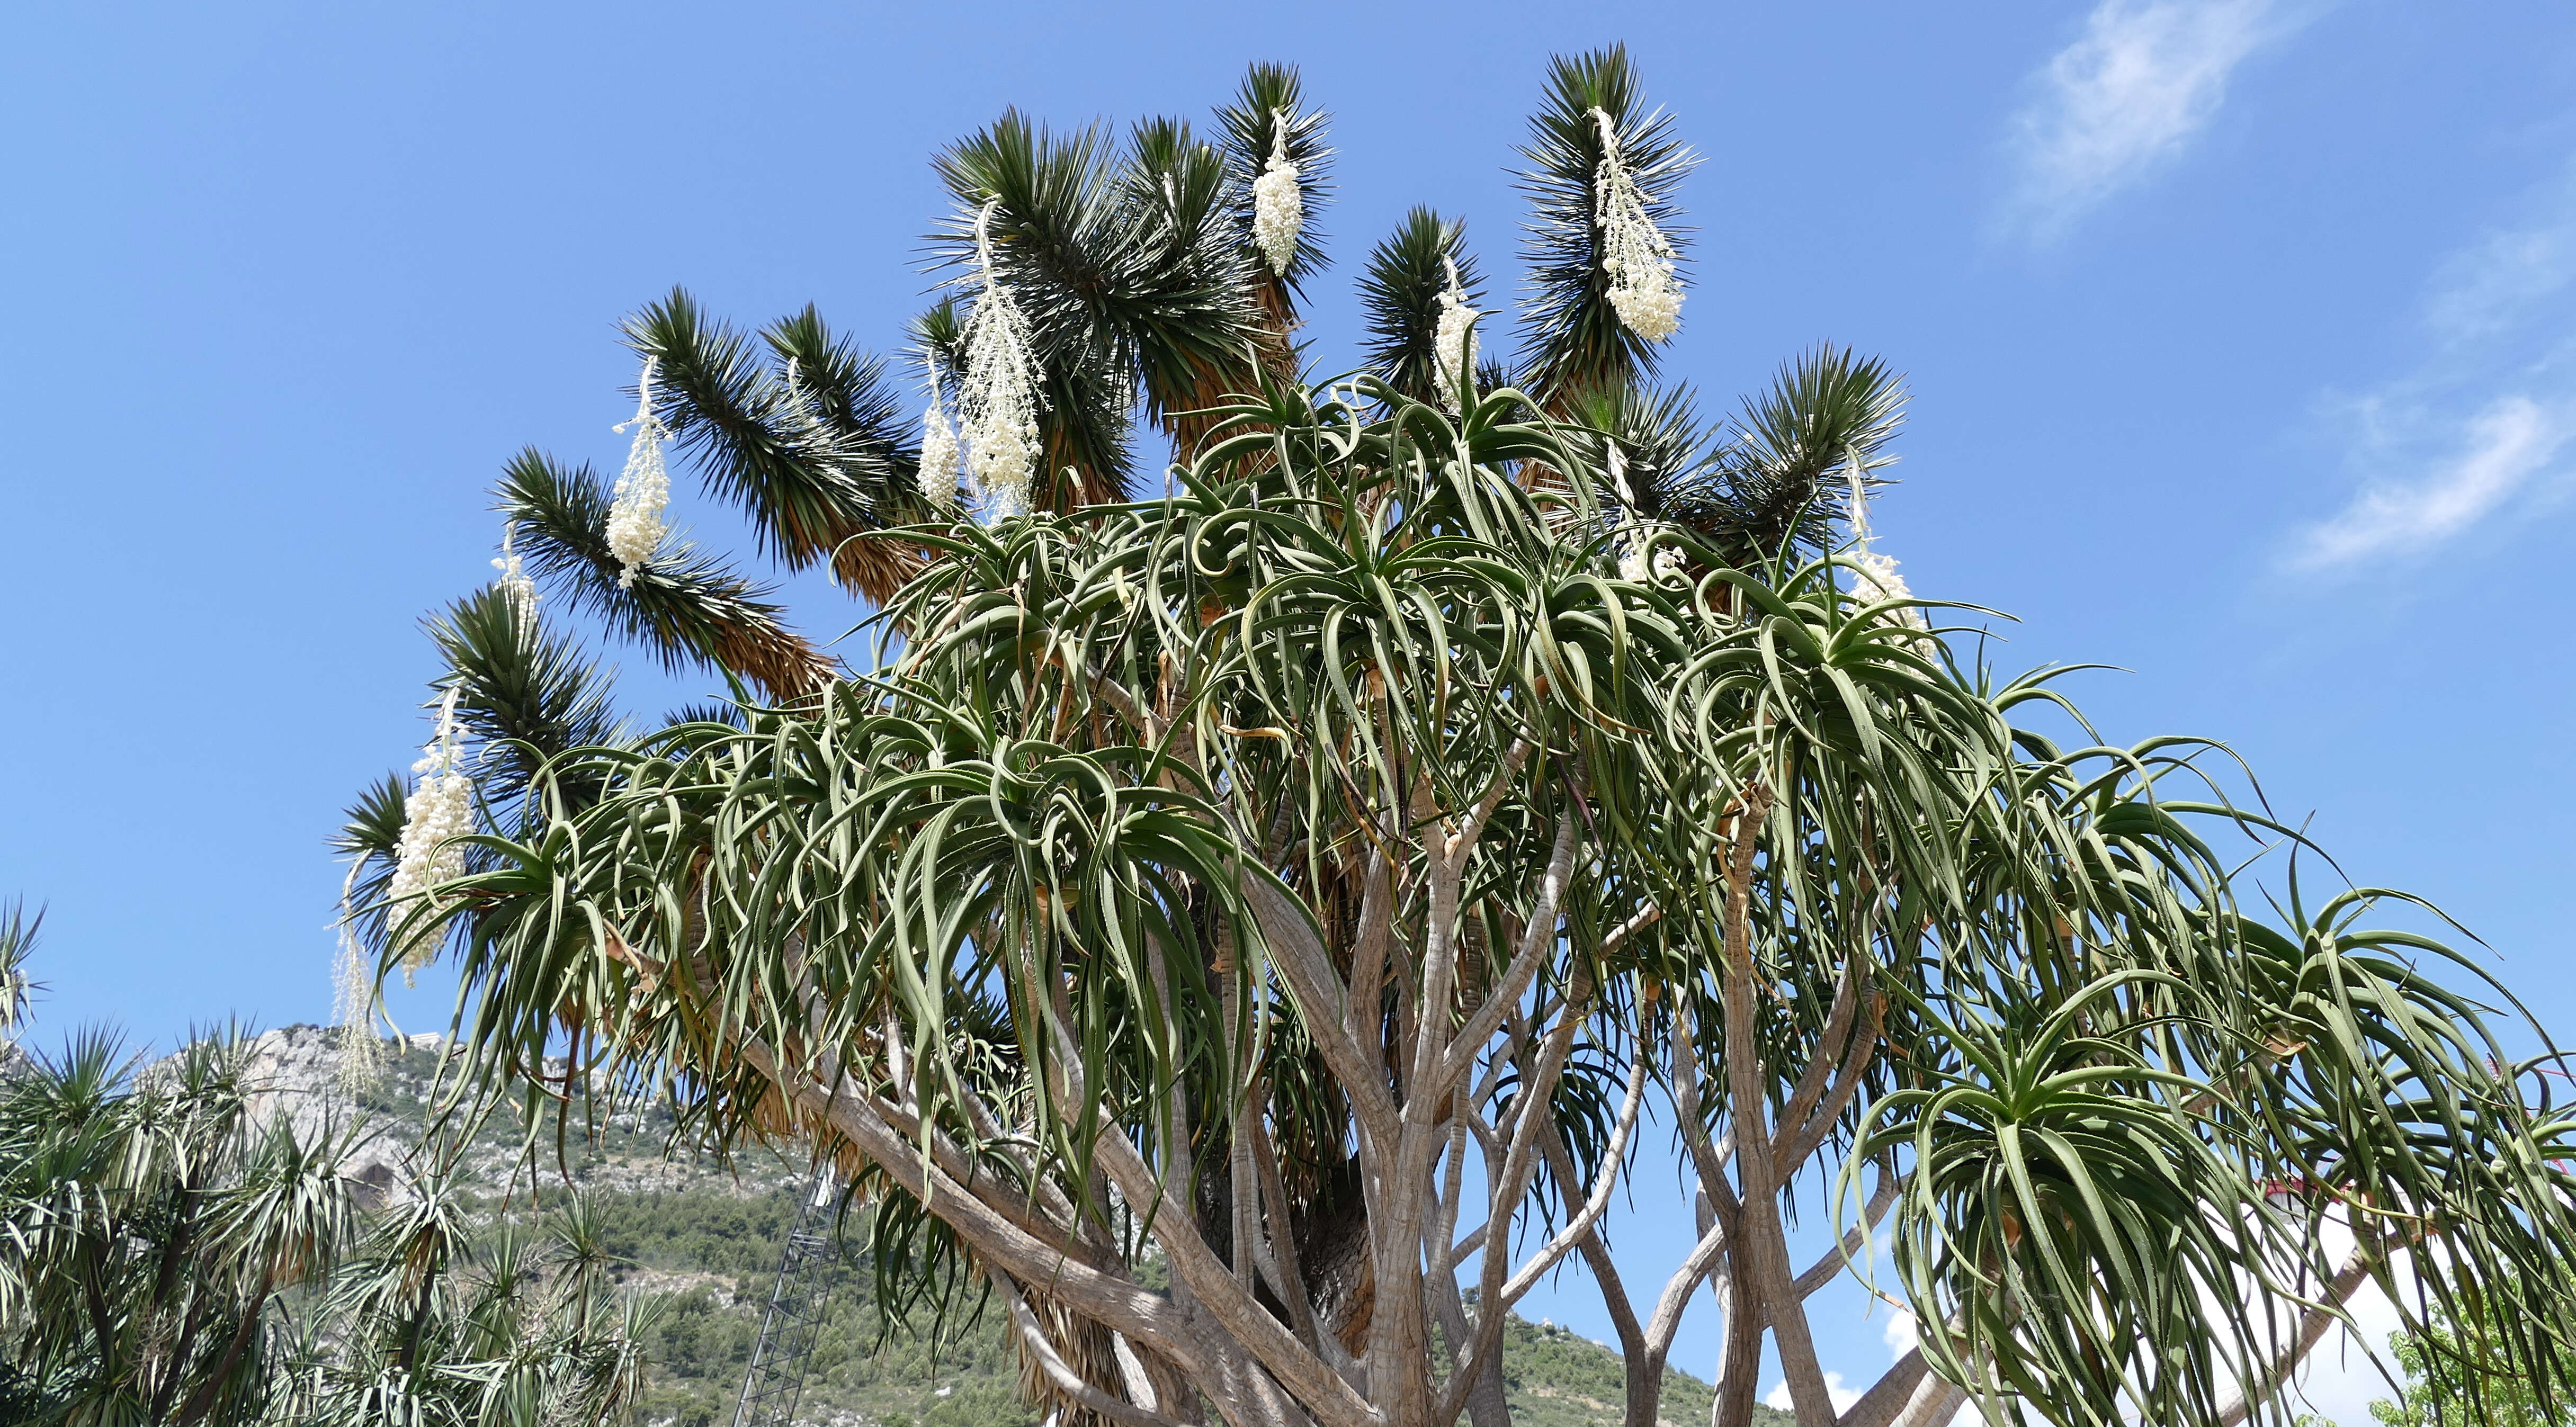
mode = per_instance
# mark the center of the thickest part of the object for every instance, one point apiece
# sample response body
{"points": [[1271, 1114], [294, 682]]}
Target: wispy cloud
{"points": [[2500, 449], [2487, 290], [2482, 420], [2126, 99]]}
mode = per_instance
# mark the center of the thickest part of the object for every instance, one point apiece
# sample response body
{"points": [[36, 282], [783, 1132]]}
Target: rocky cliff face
{"points": [[295, 1071]]}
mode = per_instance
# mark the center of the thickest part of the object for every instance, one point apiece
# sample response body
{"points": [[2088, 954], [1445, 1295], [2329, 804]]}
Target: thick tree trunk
{"points": [[1934, 1404], [1739, 1362]]}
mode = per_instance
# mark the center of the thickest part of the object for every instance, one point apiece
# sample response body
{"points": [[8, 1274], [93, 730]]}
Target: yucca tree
{"points": [[18, 986], [174, 1252], [446, 1315], [152, 1232], [1302, 882]]}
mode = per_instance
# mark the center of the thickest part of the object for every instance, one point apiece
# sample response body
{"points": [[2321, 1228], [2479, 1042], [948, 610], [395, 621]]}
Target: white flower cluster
{"points": [[1632, 531], [635, 528], [1643, 288], [998, 409], [440, 810], [515, 584], [1636, 540], [1453, 342], [1876, 579], [1874, 576], [938, 478], [1278, 207]]}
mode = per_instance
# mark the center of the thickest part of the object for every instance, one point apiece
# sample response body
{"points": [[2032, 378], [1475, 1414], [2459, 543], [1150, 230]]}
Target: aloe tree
{"points": [[1302, 881]]}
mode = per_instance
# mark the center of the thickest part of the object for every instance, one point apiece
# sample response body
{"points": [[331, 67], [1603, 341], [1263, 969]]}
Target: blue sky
{"points": [[2239, 331]]}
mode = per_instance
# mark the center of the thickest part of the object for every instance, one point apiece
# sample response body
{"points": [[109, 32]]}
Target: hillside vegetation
{"points": [[709, 1235]]}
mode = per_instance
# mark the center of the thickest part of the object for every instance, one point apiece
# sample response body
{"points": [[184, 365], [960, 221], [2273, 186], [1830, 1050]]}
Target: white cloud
{"points": [[1842, 1397], [2488, 289], [2340, 1381], [1901, 1333], [2126, 98], [2499, 450], [2489, 408]]}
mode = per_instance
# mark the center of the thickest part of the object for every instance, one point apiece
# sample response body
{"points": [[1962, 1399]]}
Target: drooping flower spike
{"points": [[939, 451], [439, 811], [1634, 254], [997, 412], [635, 527], [353, 1003], [515, 584], [1278, 207], [1632, 531], [1453, 341], [1874, 576]]}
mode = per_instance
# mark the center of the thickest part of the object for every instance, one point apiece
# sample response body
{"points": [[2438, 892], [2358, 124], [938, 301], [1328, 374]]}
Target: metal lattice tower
{"points": [[795, 1317]]}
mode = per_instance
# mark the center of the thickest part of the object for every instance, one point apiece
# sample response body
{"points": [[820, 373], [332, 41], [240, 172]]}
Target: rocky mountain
{"points": [[297, 1072]]}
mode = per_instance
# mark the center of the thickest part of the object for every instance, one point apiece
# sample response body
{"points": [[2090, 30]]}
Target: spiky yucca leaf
{"points": [[1057, 240], [1253, 123], [1783, 477], [526, 695], [18, 988], [1663, 443], [1572, 339], [1128, 283], [689, 609], [1400, 300], [813, 458], [370, 836], [1187, 368]]}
